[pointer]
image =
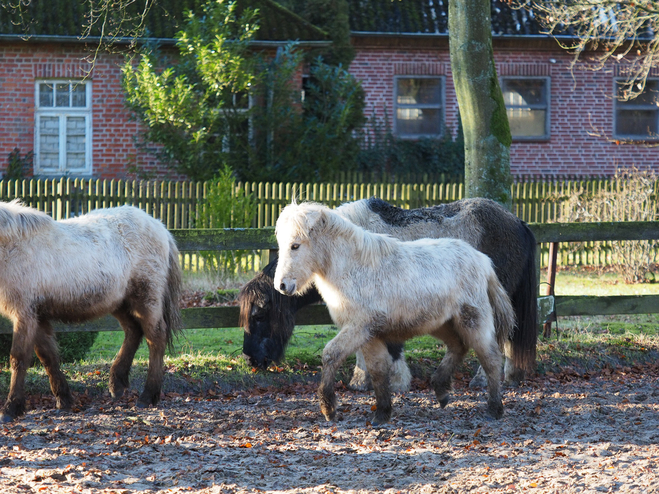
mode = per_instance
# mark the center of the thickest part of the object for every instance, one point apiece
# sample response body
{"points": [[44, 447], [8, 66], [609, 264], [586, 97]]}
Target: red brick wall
{"points": [[580, 103], [113, 148]]}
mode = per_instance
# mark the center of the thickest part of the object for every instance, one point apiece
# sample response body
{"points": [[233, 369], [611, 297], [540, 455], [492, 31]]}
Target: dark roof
{"points": [[431, 17], [67, 18]]}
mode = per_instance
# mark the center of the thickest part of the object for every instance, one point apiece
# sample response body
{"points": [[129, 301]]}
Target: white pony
{"points": [[117, 261], [378, 289]]}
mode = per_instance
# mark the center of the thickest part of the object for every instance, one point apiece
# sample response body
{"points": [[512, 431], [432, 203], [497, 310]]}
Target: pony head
{"points": [[297, 260], [267, 317]]}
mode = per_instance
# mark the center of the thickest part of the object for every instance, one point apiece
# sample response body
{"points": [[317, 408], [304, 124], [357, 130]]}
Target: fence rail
{"points": [[263, 239], [181, 205]]}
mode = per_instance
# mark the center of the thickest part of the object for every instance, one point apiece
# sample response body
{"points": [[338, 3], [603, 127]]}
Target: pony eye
{"points": [[260, 312], [295, 246]]}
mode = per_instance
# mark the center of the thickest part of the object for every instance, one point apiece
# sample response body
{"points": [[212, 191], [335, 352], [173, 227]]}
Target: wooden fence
{"points": [[263, 239], [180, 204]]}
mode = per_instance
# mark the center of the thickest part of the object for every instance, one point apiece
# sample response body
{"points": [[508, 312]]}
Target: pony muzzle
{"points": [[287, 287]]}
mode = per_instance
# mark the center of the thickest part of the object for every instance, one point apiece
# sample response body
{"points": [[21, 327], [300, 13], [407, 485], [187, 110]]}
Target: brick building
{"points": [[564, 122]]}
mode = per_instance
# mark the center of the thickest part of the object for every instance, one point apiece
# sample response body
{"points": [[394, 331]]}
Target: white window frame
{"points": [[250, 131], [619, 106], [62, 113], [546, 106], [440, 106]]}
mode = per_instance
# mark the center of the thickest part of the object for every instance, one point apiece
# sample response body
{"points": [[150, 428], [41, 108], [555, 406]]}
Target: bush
{"points": [[383, 153], [226, 206], [18, 167], [72, 346], [197, 113], [630, 197]]}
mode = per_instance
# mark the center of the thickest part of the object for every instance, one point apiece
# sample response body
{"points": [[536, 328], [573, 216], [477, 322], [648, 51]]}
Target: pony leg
{"points": [[124, 359], [379, 363], [512, 374], [156, 338], [400, 375], [361, 381], [20, 356], [347, 342], [489, 356], [479, 380], [46, 349], [442, 378]]}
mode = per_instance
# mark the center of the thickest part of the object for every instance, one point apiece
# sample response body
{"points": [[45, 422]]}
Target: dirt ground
{"points": [[561, 433]]}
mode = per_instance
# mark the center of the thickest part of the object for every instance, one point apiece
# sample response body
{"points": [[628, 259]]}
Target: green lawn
{"points": [[308, 341], [214, 355], [589, 282]]}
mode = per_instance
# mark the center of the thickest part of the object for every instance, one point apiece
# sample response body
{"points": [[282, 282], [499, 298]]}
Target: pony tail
{"points": [[523, 297], [502, 308], [172, 296]]}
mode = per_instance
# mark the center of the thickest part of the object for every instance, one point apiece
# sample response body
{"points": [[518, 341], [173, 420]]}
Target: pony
{"points": [[117, 261], [268, 317], [377, 289]]}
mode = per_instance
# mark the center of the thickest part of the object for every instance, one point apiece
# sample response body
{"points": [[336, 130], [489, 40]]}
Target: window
{"points": [[63, 128], [638, 118], [238, 122], [418, 107], [527, 106]]}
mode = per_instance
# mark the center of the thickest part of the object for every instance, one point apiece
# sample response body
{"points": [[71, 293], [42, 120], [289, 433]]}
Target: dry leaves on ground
{"points": [[562, 433]]}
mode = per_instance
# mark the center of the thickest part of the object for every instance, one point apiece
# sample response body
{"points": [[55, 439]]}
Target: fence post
{"points": [[551, 280]]}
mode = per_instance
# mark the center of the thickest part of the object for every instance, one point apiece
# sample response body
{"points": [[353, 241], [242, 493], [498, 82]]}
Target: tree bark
{"points": [[482, 110]]}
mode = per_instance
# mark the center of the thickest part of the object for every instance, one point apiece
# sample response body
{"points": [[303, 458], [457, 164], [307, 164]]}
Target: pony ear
{"points": [[316, 220]]}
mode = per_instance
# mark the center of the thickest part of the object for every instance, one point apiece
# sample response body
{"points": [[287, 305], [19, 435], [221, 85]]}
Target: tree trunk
{"points": [[482, 110]]}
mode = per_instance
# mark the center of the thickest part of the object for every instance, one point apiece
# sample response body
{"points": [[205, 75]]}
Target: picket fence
{"points": [[180, 205]]}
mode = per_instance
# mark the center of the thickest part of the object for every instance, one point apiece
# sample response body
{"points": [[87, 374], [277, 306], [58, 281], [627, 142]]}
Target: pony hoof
{"points": [[443, 402], [380, 419], [6, 418], [116, 394], [377, 423], [514, 378], [495, 412], [146, 400], [146, 403], [64, 405]]}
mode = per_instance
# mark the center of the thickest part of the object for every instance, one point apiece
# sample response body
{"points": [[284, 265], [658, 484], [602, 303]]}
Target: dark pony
{"points": [[117, 261], [268, 317]]}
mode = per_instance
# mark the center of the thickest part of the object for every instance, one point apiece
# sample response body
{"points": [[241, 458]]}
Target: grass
{"points": [[589, 281], [212, 357]]}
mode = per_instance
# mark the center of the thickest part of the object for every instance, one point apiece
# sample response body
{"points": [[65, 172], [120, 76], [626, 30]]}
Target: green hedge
{"points": [[72, 346]]}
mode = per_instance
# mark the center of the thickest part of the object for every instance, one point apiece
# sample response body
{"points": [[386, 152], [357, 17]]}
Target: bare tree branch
{"points": [[604, 31]]}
